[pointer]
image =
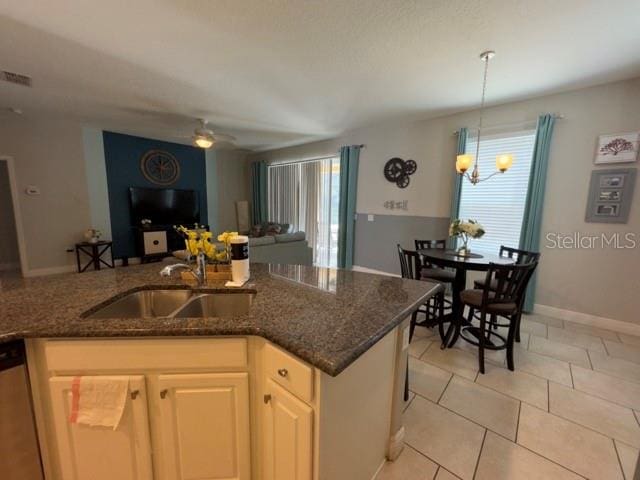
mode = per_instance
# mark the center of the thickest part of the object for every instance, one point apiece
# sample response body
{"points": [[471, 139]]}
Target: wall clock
{"points": [[160, 167], [397, 171]]}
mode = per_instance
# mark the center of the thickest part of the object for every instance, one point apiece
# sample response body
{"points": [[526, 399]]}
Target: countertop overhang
{"points": [[327, 317]]}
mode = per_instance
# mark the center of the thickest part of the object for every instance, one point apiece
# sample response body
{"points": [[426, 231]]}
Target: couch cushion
{"points": [[256, 231], [257, 241], [290, 237]]}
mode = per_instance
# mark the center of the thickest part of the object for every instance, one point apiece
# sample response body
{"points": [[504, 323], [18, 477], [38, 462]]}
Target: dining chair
{"points": [[519, 256], [500, 296], [434, 272], [411, 267]]}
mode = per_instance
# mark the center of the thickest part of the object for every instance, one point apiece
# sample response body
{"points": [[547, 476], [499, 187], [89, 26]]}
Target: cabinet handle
{"points": [[163, 393], [267, 398], [283, 372], [134, 394]]}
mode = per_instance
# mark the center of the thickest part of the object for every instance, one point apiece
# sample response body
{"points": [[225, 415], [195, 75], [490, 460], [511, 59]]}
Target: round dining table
{"points": [[476, 262]]}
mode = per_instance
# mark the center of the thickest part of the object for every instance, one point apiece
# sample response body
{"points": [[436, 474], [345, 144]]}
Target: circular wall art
{"points": [[398, 171], [160, 167]]}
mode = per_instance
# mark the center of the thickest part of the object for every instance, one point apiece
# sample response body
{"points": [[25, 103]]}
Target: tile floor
{"points": [[571, 409]]}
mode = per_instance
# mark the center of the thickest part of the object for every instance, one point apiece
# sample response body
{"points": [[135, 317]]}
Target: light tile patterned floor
{"points": [[571, 409]]}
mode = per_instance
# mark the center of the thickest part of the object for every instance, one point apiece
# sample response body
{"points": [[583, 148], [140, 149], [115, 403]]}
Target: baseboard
{"points": [[358, 268], [587, 319]]}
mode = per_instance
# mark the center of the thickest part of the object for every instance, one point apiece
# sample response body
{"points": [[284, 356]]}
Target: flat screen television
{"points": [[164, 206]]}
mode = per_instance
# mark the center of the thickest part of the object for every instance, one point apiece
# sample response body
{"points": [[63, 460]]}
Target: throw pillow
{"points": [[256, 231], [272, 229]]}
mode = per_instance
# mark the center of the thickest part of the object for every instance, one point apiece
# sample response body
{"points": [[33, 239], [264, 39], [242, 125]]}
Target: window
{"points": [[498, 204], [305, 194]]}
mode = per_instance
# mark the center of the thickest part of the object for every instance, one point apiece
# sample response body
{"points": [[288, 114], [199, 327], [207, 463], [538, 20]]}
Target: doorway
{"points": [[12, 262]]}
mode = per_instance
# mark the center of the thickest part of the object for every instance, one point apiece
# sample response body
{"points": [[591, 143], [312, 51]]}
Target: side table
{"points": [[94, 251]]}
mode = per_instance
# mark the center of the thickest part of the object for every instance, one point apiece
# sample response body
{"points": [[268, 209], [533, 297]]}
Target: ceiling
{"points": [[276, 73]]}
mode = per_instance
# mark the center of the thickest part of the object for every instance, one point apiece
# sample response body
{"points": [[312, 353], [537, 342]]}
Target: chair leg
{"points": [[440, 306], [412, 325], [513, 325], [517, 327], [494, 322], [406, 382], [481, 338]]}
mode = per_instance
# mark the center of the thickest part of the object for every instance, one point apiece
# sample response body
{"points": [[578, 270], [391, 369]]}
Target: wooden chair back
{"points": [[410, 263]]}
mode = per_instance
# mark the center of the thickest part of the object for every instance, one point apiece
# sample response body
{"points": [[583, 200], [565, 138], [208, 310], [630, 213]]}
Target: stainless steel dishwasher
{"points": [[19, 452]]}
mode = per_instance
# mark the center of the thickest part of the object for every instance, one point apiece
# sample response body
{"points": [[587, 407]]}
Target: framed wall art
{"points": [[610, 195], [617, 148]]}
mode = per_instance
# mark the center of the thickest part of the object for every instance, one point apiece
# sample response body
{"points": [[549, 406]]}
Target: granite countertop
{"points": [[325, 316]]}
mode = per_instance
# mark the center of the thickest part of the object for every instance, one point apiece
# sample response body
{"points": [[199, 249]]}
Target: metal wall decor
{"points": [[610, 194], [160, 167], [397, 171]]}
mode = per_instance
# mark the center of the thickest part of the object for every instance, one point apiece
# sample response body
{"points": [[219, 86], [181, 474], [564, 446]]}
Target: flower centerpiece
{"points": [[198, 240], [465, 230], [92, 235]]}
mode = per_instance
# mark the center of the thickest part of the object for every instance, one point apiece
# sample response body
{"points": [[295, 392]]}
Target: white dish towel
{"points": [[98, 401]]}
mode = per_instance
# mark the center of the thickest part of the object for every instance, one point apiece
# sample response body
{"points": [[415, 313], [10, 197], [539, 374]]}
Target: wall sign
{"points": [[618, 148], [160, 167], [396, 205], [397, 171], [610, 194]]}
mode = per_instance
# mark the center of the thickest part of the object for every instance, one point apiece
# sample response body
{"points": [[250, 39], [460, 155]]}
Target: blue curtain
{"points": [[349, 157], [259, 192], [531, 222], [457, 181]]}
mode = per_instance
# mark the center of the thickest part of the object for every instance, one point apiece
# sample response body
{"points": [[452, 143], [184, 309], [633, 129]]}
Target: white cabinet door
{"points": [[204, 424], [101, 453], [288, 441]]}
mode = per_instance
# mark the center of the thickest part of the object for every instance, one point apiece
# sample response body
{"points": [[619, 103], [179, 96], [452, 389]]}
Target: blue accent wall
{"points": [[122, 155]]}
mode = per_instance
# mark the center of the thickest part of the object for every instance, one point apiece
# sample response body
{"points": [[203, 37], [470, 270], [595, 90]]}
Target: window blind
{"points": [[498, 204]]}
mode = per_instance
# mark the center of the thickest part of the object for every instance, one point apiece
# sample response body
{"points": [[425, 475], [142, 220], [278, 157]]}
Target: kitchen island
{"points": [[306, 384]]}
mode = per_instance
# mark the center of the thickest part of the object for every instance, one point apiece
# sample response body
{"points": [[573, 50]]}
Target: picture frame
{"points": [[610, 195], [617, 148]]}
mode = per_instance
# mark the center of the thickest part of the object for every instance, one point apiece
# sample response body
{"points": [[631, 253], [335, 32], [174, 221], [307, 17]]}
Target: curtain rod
{"points": [[312, 159], [514, 124]]}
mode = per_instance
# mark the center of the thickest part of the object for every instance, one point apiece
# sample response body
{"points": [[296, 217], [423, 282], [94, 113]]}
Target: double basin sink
{"points": [[176, 304]]}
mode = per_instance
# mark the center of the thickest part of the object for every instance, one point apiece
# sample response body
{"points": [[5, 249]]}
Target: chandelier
{"points": [[464, 161]]}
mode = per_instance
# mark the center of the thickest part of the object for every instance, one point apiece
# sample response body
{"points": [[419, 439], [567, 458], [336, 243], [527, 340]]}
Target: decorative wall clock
{"points": [[160, 167], [397, 171]]}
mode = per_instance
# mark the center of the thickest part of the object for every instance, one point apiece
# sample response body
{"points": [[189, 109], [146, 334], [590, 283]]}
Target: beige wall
{"points": [[231, 185], [602, 282], [48, 154]]}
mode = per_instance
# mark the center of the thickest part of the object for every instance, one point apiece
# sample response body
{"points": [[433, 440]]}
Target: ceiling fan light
{"points": [[504, 162], [203, 141], [463, 162]]}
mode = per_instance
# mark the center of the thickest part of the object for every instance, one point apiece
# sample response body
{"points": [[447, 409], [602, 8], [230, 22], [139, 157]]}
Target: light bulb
{"points": [[504, 162], [463, 162], [202, 142]]}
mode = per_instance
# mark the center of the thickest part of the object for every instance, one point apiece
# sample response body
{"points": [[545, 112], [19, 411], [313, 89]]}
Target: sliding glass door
{"points": [[305, 194]]}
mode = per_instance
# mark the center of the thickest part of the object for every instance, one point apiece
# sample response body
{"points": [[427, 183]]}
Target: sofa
{"points": [[288, 248]]}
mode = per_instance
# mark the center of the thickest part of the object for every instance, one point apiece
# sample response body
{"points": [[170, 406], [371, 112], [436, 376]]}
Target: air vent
{"points": [[16, 78]]}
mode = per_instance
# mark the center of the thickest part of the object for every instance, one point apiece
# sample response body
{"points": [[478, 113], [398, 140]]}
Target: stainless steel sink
{"points": [[145, 304], [216, 305]]}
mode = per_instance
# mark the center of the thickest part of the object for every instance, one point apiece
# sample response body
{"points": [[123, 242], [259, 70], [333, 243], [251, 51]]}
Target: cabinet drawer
{"points": [[288, 371], [73, 356], [154, 242]]}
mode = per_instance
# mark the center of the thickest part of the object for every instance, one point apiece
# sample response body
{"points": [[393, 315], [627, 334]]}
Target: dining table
{"points": [[471, 262]]}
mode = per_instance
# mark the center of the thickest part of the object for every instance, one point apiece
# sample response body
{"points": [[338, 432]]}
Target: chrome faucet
{"points": [[199, 272]]}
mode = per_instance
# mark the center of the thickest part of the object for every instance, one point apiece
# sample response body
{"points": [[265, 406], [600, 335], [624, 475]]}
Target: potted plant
{"points": [[465, 230], [92, 235]]}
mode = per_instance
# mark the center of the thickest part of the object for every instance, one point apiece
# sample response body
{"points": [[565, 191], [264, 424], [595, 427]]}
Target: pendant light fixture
{"points": [[464, 161]]}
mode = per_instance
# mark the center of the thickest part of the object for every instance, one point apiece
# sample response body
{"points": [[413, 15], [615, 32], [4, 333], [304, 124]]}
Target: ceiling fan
{"points": [[205, 137]]}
